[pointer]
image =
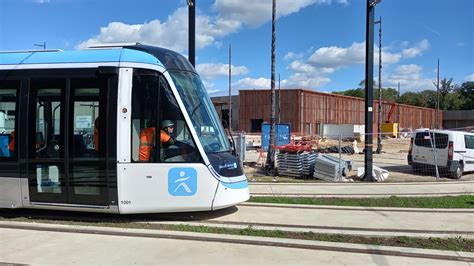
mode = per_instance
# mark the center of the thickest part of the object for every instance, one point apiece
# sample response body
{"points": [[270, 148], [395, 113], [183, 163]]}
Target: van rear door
{"points": [[469, 154], [423, 148]]}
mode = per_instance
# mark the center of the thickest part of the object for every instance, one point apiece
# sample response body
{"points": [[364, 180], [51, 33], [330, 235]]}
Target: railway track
{"points": [[291, 218], [239, 240], [385, 222], [362, 190]]}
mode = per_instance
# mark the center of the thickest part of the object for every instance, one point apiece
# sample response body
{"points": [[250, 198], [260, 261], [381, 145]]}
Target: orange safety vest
{"points": [[11, 145], [164, 137], [147, 141], [96, 139]]}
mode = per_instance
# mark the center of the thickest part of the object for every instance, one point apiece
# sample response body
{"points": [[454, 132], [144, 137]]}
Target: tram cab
{"points": [[123, 128]]}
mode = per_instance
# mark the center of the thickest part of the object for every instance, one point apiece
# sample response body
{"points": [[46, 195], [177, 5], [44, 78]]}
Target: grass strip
{"points": [[465, 201], [454, 244]]}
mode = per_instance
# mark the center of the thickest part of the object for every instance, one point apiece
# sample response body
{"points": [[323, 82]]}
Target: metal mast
{"points": [[437, 99], [369, 88], [379, 122], [230, 87], [271, 149], [192, 32]]}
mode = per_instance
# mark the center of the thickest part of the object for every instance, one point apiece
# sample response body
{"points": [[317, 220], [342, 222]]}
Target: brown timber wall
{"points": [[304, 108]]}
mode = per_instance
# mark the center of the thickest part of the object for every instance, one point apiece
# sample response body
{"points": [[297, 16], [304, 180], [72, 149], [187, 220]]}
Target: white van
{"points": [[454, 151]]}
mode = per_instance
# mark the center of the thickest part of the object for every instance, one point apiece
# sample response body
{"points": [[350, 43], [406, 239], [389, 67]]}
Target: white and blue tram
{"points": [[71, 133]]}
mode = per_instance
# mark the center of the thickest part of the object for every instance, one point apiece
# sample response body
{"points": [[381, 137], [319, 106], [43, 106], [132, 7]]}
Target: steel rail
{"points": [[162, 235]]}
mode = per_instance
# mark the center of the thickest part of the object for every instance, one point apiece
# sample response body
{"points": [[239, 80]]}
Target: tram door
{"points": [[66, 139]]}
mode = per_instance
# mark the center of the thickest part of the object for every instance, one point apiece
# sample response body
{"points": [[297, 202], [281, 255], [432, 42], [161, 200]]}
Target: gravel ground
{"points": [[393, 159]]}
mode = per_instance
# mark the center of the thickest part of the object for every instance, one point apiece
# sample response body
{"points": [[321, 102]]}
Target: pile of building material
{"points": [[378, 173], [331, 169], [296, 164], [309, 159]]}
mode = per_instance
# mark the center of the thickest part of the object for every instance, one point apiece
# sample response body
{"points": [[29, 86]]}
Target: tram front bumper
{"points": [[229, 194]]}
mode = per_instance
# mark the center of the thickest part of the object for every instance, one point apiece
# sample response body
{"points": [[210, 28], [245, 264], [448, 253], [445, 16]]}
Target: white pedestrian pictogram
{"points": [[182, 184]]}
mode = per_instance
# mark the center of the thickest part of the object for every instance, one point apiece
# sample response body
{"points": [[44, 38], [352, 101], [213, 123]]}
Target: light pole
{"points": [[379, 120], [192, 32], [437, 99], [230, 87], [369, 88]]}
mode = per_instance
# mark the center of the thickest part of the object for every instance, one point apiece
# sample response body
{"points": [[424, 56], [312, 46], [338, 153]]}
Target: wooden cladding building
{"points": [[306, 110]]}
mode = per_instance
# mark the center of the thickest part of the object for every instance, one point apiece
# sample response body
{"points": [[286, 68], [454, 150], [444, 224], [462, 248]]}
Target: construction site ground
{"points": [[393, 159]]}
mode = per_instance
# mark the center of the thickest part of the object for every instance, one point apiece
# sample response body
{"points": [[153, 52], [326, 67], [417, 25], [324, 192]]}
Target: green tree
{"points": [[446, 86], [388, 94], [412, 98], [453, 101], [428, 98], [466, 92], [352, 92]]}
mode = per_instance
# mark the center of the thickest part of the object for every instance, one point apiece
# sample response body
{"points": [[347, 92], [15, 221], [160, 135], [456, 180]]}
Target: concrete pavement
{"points": [[343, 220], [65, 245], [412, 189]]}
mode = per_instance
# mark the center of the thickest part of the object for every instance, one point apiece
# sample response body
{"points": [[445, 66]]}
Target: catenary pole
{"points": [[379, 120], [437, 100], [369, 89], [230, 87], [271, 149]]}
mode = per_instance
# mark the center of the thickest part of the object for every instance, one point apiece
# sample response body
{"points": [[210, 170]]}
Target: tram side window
{"points": [[159, 132], [181, 148], [89, 102], [144, 116], [8, 113]]}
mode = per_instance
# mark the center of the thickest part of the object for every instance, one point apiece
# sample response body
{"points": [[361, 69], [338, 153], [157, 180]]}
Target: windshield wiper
{"points": [[195, 108], [232, 142]]}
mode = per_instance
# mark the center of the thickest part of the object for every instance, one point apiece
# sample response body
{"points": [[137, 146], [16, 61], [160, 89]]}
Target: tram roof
{"points": [[134, 53]]}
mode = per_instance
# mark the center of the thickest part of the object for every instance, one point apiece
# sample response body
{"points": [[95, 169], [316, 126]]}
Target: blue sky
{"points": [[320, 43]]}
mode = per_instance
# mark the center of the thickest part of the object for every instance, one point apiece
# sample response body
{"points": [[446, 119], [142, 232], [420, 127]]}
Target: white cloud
{"points": [[416, 50], [306, 75], [469, 77], [172, 34], [387, 57], [219, 70], [315, 71], [40, 2], [461, 44], [306, 80], [253, 83], [334, 56], [256, 12], [410, 78], [298, 66], [290, 56]]}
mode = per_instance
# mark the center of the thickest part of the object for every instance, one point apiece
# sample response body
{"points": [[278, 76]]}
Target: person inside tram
{"points": [[167, 137], [11, 145], [172, 149], [147, 142], [96, 134]]}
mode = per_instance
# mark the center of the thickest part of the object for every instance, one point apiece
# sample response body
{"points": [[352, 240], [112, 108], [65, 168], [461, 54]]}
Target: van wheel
{"points": [[457, 173]]}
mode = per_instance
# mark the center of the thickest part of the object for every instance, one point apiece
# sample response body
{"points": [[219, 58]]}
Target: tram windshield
{"points": [[202, 112]]}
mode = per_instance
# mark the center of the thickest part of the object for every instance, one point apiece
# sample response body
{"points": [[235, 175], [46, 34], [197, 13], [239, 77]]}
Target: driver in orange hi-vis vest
{"points": [[147, 139]]}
